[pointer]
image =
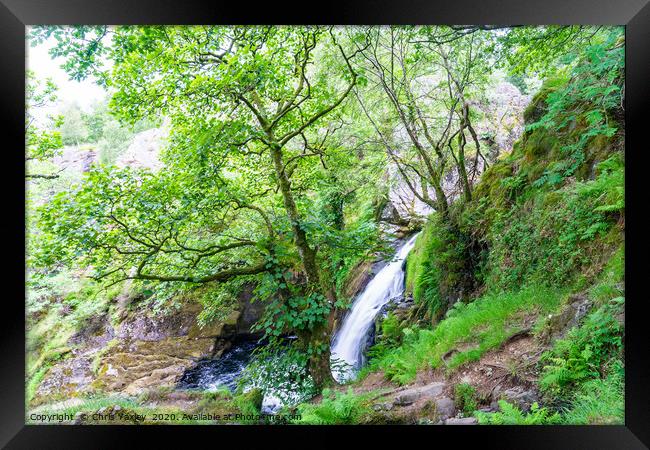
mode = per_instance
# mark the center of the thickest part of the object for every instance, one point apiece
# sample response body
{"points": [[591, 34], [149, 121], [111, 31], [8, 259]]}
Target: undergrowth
{"points": [[478, 326]]}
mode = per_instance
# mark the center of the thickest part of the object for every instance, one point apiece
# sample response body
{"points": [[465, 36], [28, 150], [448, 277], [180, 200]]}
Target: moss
{"points": [[537, 106], [539, 143], [436, 266]]}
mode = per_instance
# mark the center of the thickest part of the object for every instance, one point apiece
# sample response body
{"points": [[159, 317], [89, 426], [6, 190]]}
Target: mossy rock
{"points": [[539, 143], [252, 398], [538, 107]]}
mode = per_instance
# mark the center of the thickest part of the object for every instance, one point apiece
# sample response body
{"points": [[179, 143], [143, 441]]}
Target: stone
{"points": [[461, 421], [445, 407], [406, 398], [410, 396], [523, 398], [386, 406]]}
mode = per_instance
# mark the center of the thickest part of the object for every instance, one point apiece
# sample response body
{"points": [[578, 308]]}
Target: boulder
{"points": [[445, 407], [410, 396], [520, 396]]}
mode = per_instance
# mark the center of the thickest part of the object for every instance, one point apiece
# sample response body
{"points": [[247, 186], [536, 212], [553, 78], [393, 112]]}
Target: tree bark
{"points": [[307, 254]]}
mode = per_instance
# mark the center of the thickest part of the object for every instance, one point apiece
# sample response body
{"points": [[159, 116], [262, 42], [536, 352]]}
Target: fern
{"points": [[511, 415]]}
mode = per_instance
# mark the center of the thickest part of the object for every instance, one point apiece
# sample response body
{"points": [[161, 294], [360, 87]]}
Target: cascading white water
{"points": [[347, 344]]}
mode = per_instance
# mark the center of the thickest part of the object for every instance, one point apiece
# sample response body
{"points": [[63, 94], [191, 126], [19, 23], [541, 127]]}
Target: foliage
{"points": [[584, 352], [552, 237], [42, 140], [543, 50], [511, 415], [585, 103], [73, 128], [335, 408], [280, 369], [599, 401], [465, 398], [284, 142]]}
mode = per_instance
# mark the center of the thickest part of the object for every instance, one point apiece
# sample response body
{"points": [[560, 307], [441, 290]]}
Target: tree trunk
{"points": [[307, 254], [319, 363], [462, 170]]}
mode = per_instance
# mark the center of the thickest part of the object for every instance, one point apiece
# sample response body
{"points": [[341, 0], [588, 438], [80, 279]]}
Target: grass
{"points": [[599, 401], [466, 398], [482, 325]]}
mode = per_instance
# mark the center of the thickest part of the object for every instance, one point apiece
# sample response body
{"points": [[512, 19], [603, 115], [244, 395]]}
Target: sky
{"points": [[84, 93]]}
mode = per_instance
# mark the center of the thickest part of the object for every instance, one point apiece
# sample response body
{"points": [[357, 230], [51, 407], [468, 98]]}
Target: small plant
{"points": [[511, 415], [335, 409], [466, 398]]}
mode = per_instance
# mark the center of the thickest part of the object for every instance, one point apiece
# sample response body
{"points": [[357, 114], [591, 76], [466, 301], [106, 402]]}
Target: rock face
{"points": [[145, 149], [568, 317], [144, 351], [520, 396], [132, 367]]}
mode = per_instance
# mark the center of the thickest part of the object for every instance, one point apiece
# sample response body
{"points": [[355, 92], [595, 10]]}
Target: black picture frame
{"points": [[16, 14]]}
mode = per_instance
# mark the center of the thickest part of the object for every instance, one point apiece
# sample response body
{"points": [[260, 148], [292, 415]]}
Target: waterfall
{"points": [[347, 346]]}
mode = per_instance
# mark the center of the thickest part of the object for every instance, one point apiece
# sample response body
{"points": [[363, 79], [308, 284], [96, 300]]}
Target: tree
{"points": [[246, 104], [426, 79], [73, 128], [95, 121], [40, 143]]}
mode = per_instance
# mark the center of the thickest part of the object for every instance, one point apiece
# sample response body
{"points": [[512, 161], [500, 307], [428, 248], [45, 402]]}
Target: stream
{"points": [[212, 374]]}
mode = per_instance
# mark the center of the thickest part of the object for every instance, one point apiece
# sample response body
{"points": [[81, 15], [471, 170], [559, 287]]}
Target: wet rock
{"points": [[462, 421], [255, 397], [250, 311]]}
